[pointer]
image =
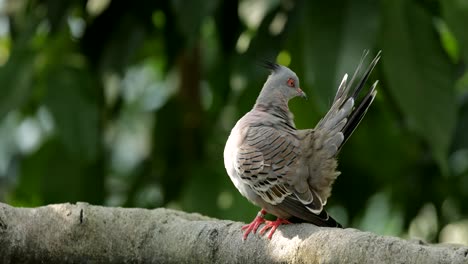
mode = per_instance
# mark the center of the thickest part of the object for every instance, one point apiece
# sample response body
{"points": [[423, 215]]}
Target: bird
{"points": [[289, 172]]}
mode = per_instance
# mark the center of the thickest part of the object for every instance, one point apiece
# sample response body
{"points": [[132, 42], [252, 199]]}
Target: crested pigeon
{"points": [[289, 172]]}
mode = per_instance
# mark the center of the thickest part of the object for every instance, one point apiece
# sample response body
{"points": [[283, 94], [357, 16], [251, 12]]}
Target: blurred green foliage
{"points": [[129, 103]]}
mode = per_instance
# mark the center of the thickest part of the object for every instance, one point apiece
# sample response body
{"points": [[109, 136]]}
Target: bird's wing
{"points": [[267, 161]]}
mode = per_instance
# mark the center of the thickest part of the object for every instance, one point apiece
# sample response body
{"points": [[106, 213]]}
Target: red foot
{"points": [[252, 227], [273, 225]]}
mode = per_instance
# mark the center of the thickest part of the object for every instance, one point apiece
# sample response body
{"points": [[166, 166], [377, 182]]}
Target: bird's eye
{"points": [[291, 82]]}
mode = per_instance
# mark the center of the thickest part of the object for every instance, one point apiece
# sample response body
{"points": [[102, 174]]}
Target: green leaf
{"points": [[51, 175], [75, 114], [419, 75], [448, 40], [460, 139], [455, 13], [332, 43], [190, 16], [16, 80], [328, 47]]}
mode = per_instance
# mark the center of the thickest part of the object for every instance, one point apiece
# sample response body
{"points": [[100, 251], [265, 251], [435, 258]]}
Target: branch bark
{"points": [[83, 233]]}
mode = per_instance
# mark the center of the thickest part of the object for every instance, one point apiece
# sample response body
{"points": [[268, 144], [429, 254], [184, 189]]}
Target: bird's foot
{"points": [[252, 227], [273, 225]]}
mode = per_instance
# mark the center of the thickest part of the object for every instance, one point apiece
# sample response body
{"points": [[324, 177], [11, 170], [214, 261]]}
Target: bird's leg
{"points": [[259, 219], [273, 225]]}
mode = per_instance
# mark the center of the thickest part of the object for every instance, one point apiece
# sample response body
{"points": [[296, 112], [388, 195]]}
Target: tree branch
{"points": [[83, 233]]}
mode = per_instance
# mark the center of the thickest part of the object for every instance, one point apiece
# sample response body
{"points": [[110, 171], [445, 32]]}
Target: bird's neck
{"points": [[276, 106], [271, 99]]}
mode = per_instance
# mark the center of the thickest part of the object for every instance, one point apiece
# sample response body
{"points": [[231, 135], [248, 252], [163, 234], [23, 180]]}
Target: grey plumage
{"points": [[290, 172]]}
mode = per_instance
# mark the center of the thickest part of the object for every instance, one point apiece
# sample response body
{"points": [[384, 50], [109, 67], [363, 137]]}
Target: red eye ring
{"points": [[291, 82]]}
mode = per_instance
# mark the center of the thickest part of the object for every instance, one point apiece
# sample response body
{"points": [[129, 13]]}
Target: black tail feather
{"points": [[330, 222], [300, 214], [360, 110], [358, 68], [366, 75], [358, 114]]}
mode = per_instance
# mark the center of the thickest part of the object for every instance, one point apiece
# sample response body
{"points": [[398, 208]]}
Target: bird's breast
{"points": [[230, 156]]}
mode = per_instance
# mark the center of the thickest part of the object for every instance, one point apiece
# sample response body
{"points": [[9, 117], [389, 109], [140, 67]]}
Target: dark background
{"points": [[129, 103]]}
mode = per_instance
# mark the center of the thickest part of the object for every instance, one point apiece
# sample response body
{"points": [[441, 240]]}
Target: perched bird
{"points": [[288, 172]]}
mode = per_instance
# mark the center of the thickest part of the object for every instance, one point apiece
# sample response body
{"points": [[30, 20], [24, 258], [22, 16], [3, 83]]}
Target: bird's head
{"points": [[282, 83]]}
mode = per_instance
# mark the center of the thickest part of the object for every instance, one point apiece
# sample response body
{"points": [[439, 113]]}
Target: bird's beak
{"points": [[301, 93]]}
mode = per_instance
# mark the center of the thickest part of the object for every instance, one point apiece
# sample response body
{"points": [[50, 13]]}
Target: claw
{"points": [[252, 227], [273, 225]]}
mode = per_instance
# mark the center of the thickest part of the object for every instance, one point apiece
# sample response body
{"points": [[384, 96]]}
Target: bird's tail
{"points": [[343, 117], [301, 214], [324, 219], [358, 113]]}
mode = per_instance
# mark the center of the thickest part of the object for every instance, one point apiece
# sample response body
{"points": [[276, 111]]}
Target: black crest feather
{"points": [[269, 65]]}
